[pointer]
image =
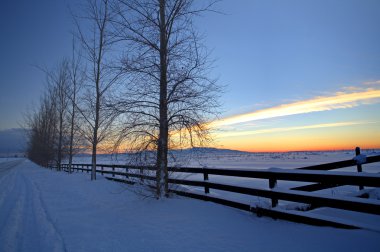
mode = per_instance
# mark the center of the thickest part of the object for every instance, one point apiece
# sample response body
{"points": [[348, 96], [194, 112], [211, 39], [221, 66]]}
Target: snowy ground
{"points": [[44, 210], [246, 160], [287, 160], [7, 159]]}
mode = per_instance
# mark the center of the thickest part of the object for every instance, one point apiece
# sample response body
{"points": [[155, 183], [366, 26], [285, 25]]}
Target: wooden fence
{"points": [[317, 174]]}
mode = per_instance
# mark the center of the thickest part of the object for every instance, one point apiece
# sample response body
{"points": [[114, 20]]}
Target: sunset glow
{"points": [[276, 130], [339, 121], [337, 101], [297, 76]]}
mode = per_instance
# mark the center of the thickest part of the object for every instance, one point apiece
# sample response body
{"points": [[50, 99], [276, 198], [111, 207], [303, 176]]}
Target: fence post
{"points": [[272, 184], [142, 174], [126, 171], [205, 178], [102, 168], [113, 169], [359, 166]]}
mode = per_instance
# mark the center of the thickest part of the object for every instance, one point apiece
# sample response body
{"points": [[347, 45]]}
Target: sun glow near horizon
{"points": [[332, 128], [340, 121], [338, 101]]}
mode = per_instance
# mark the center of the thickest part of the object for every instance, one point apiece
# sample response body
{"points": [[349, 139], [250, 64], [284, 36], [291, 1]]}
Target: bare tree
{"points": [[54, 105], [41, 126], [170, 96], [97, 44], [76, 76], [58, 81]]}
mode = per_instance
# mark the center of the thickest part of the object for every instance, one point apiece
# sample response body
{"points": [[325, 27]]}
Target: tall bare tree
{"points": [[76, 76], [41, 126], [58, 81], [170, 96], [97, 44]]}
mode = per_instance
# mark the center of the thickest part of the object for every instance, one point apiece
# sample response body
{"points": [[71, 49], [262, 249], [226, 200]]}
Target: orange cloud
{"points": [[338, 101], [315, 138], [285, 129]]}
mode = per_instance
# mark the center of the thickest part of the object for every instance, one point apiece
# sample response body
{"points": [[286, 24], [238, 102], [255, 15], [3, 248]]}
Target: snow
{"points": [[7, 159], [280, 162], [249, 161], [363, 220], [360, 159], [246, 160], [45, 210]]}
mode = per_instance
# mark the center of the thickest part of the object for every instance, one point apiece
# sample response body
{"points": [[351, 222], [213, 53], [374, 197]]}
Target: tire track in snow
{"points": [[6, 187], [8, 191], [11, 231], [6, 167], [46, 214], [25, 224]]}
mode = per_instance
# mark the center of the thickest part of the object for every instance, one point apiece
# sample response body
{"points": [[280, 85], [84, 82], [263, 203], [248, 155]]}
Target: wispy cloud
{"points": [[376, 82], [285, 129], [323, 103]]}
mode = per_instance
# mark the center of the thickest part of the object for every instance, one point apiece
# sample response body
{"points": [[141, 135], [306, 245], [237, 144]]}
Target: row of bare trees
{"points": [[51, 126], [142, 83]]}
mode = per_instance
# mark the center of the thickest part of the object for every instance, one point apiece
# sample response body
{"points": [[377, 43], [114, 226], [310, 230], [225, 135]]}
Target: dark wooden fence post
{"points": [[205, 178], [272, 184], [102, 168], [359, 166], [141, 173], [113, 169], [126, 171]]}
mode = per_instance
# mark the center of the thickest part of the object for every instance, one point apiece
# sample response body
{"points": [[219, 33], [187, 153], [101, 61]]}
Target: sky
{"points": [[299, 74]]}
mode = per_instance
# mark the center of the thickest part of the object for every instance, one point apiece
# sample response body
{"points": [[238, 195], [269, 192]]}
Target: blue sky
{"points": [[279, 51], [32, 33], [268, 53]]}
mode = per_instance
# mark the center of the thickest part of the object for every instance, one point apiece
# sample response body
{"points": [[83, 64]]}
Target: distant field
{"points": [[241, 160], [245, 160]]}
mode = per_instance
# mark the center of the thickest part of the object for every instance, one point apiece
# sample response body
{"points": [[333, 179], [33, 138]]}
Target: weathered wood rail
{"points": [[318, 174]]}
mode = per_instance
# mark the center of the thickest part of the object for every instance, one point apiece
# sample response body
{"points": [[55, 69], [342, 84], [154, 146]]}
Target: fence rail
{"points": [[318, 174]]}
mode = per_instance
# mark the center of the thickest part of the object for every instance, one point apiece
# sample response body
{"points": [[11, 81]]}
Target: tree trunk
{"points": [[95, 139], [93, 160], [97, 104], [72, 130], [96, 123], [162, 145], [59, 158]]}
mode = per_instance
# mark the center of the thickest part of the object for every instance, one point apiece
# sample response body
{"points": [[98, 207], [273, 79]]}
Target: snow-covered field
{"points": [[246, 160], [215, 158], [45, 210]]}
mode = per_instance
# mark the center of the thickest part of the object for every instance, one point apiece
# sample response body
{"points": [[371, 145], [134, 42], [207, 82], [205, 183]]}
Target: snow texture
{"points": [[360, 159], [45, 210]]}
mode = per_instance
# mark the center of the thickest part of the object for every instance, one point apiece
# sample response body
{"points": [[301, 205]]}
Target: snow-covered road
{"points": [[44, 210], [25, 225]]}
